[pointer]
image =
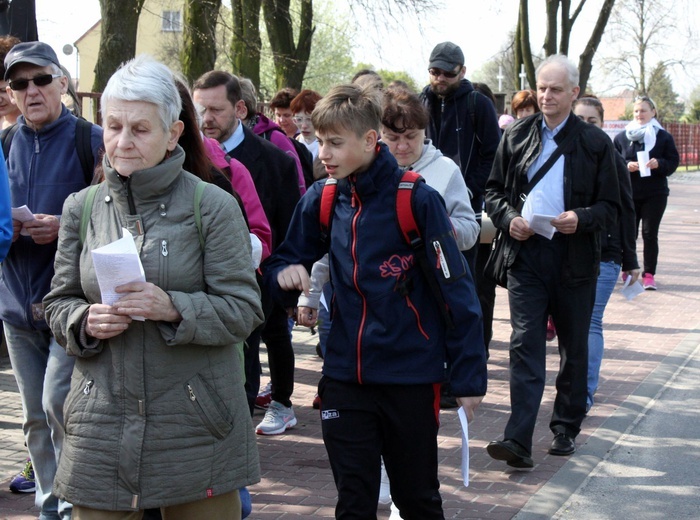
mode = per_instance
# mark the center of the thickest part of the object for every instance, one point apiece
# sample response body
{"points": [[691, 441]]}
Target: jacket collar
{"points": [[382, 171], [147, 184]]}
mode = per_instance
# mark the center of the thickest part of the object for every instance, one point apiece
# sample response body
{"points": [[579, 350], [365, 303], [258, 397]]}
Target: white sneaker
{"points": [[278, 418], [395, 515], [384, 487]]}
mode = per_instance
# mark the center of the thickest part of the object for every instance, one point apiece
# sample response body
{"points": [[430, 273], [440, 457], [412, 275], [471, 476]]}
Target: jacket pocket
{"points": [[210, 407], [77, 400]]}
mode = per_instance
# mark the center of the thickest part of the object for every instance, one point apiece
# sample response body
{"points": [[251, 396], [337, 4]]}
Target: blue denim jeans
{"points": [[43, 372], [609, 272]]}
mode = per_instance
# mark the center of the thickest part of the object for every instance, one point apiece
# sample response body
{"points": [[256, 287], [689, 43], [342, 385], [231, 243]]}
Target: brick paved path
{"points": [[297, 481]]}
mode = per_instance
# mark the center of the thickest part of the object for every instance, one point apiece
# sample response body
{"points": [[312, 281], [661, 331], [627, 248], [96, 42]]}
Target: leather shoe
{"points": [[510, 451], [562, 445]]}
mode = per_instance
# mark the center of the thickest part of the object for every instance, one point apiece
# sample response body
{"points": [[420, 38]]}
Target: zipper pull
{"points": [[164, 247], [192, 396], [88, 387], [353, 195], [36, 144]]}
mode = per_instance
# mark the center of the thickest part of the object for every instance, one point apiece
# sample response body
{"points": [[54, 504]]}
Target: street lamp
{"points": [[68, 50]]}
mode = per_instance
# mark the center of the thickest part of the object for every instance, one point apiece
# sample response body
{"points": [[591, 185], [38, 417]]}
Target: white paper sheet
{"points": [[465, 445], [23, 214], [643, 159], [116, 264], [631, 290], [540, 224]]}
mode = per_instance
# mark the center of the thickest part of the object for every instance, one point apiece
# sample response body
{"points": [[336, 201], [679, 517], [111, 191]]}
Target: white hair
{"points": [[563, 61], [145, 79]]}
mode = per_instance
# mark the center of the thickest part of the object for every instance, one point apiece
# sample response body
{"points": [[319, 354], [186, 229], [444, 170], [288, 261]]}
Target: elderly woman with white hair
{"points": [[157, 415]]}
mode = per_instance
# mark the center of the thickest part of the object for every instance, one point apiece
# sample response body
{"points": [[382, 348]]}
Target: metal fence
{"points": [[687, 138]]}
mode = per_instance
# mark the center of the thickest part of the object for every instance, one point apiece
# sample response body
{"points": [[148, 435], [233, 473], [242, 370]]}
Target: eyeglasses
{"points": [[299, 120], [436, 73], [39, 81]]}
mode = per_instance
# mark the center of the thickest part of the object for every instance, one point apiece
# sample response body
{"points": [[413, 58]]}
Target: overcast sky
{"points": [[480, 27]]}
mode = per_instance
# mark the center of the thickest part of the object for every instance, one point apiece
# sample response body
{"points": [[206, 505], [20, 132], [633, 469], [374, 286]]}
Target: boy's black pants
{"points": [[360, 423]]}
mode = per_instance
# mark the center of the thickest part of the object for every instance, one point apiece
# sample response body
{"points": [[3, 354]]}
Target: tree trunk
{"points": [[565, 27], [246, 42], [120, 19], [585, 62], [290, 58], [517, 55], [550, 39], [198, 54], [525, 44]]}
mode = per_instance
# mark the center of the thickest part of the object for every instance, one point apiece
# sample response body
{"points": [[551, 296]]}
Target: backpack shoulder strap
{"points": [[328, 196], [83, 146], [87, 211], [412, 235], [404, 207], [6, 136], [471, 108], [198, 192]]}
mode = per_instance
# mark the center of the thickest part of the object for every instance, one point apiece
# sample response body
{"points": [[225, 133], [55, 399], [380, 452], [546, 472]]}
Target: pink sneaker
{"points": [[551, 329], [648, 282], [262, 401]]}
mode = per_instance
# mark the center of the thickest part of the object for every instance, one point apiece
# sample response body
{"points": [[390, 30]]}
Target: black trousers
{"points": [[280, 356], [360, 423], [486, 291], [535, 291], [650, 211]]}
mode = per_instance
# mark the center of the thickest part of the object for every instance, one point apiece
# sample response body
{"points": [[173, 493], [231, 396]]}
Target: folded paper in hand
{"points": [[117, 264]]}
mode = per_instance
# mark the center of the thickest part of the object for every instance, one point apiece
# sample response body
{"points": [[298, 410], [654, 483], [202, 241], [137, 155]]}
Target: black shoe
{"points": [[515, 455], [562, 445]]}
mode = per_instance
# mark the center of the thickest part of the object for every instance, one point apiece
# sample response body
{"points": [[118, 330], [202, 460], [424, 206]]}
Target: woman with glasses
{"points": [[618, 250], [302, 106], [651, 156]]}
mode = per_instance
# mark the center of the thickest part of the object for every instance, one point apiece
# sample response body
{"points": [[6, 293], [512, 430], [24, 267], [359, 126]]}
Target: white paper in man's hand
{"points": [[631, 290], [465, 445], [23, 214], [540, 224], [116, 264]]}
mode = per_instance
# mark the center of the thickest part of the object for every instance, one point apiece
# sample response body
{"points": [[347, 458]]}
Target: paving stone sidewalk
{"points": [[297, 481]]}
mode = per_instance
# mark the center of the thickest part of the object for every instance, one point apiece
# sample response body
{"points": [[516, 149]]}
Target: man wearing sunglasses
{"points": [[464, 127], [43, 169], [463, 123]]}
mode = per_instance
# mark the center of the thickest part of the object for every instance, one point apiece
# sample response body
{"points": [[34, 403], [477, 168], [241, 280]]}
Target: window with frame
{"points": [[172, 21]]}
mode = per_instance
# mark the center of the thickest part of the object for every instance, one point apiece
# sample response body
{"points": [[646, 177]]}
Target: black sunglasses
{"points": [[436, 73], [39, 81]]}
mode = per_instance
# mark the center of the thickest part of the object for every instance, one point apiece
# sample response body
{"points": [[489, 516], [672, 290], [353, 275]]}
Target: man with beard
{"points": [[464, 127], [463, 123]]}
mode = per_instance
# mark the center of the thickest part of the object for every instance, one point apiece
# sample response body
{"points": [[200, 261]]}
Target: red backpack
{"points": [[407, 224]]}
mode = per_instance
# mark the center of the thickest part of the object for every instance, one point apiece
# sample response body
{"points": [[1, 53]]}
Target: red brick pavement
{"points": [[297, 482]]}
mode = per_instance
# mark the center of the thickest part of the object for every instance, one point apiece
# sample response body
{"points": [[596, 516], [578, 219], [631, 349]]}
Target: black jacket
{"points": [[619, 242], [276, 180], [664, 151], [591, 188], [452, 133]]}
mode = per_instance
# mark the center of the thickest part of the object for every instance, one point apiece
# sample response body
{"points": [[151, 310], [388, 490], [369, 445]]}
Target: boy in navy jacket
{"points": [[388, 343]]}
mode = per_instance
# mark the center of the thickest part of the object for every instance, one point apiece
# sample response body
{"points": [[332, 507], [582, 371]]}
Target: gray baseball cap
{"points": [[36, 53], [446, 56]]}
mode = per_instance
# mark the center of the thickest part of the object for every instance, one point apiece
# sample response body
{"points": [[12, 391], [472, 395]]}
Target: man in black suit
{"points": [[274, 173]]}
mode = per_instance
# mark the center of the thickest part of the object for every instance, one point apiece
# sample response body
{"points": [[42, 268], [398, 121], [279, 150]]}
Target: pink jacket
{"points": [[281, 141], [242, 182]]}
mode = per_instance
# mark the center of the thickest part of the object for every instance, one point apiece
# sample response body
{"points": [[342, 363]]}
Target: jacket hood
{"points": [[215, 153], [264, 124], [429, 156]]}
